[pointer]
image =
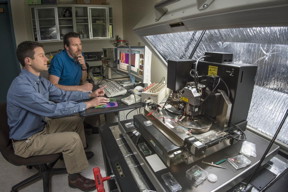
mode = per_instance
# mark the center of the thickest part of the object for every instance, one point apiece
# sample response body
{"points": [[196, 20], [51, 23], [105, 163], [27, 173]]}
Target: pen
{"points": [[212, 164], [220, 162]]}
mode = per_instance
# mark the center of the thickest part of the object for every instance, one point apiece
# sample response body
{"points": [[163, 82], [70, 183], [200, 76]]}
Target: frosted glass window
{"points": [[267, 47]]}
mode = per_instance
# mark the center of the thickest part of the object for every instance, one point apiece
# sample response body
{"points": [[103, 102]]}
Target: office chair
{"points": [[43, 163]]}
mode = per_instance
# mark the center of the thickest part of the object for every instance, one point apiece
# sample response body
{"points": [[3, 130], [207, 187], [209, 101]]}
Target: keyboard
{"points": [[113, 89]]}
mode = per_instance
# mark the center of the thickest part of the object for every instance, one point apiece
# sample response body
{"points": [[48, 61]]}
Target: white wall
{"points": [[133, 12], [23, 27]]}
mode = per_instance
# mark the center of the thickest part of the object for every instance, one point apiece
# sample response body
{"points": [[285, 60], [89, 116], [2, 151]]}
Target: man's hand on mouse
{"points": [[96, 101]]}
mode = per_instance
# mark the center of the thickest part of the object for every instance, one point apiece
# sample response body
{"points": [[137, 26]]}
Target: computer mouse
{"points": [[111, 104], [138, 89]]}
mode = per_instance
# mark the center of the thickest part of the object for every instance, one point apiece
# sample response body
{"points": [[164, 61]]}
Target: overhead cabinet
{"points": [[45, 24], [91, 22]]}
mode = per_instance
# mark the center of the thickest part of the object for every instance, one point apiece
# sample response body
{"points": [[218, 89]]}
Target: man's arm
{"points": [[84, 67], [84, 74], [86, 87]]}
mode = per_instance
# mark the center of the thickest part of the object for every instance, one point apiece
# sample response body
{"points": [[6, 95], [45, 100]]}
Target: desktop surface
{"points": [[121, 107]]}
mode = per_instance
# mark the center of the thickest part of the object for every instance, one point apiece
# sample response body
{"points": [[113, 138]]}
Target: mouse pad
{"points": [[107, 105]]}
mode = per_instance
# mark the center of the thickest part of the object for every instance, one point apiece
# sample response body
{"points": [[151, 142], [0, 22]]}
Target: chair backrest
{"points": [[4, 128]]}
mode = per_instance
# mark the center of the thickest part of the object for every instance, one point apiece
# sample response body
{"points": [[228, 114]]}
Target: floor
{"points": [[11, 174]]}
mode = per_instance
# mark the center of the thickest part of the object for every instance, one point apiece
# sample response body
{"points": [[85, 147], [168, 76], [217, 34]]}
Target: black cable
{"points": [[220, 80], [242, 133], [130, 112]]}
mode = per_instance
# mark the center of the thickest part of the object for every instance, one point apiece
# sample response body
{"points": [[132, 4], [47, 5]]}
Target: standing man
{"points": [[31, 98], [68, 70]]}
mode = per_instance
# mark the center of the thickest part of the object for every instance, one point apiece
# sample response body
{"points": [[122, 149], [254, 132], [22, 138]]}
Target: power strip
{"points": [[155, 91]]}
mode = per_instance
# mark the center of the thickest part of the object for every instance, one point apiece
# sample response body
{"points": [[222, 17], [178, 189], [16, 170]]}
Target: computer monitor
{"points": [[136, 61], [123, 55]]}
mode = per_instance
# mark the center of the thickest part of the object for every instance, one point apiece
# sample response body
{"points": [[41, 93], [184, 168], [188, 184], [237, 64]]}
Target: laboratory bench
{"points": [[134, 172]]}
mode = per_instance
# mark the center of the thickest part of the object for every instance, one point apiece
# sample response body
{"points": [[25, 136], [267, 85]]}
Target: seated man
{"points": [[68, 68], [31, 98]]}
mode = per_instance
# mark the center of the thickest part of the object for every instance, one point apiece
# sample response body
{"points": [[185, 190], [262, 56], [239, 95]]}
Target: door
{"points": [[8, 63]]}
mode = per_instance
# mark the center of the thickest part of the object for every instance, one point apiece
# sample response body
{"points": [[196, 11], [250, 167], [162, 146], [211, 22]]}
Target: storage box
{"points": [[49, 2], [83, 1], [33, 2], [97, 2], [66, 1]]}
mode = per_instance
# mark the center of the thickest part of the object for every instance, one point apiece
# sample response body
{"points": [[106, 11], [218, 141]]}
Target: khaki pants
{"points": [[64, 135]]}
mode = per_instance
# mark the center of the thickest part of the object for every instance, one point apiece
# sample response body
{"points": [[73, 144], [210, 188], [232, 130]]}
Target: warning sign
{"points": [[212, 70]]}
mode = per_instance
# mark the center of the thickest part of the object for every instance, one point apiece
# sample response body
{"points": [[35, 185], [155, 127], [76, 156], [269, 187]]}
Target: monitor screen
{"points": [[136, 61], [123, 54]]}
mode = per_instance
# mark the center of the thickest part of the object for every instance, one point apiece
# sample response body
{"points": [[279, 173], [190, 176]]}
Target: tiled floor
{"points": [[11, 175]]}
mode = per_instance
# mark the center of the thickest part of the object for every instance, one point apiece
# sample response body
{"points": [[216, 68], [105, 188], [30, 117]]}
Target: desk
{"points": [[133, 174], [121, 107]]}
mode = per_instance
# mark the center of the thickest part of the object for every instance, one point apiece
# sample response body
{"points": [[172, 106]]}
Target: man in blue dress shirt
{"points": [[31, 99]]}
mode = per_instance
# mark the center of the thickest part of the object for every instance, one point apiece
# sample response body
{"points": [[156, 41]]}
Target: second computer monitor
{"points": [[136, 61]]}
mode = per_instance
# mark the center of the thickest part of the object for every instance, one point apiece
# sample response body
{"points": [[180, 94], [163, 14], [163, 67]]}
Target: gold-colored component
{"points": [[212, 70], [185, 99]]}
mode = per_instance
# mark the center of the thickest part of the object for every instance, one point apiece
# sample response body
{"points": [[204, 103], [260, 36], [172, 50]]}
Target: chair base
{"points": [[44, 173]]}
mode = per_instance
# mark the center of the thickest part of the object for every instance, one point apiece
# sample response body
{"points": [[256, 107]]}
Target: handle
{"points": [[99, 180]]}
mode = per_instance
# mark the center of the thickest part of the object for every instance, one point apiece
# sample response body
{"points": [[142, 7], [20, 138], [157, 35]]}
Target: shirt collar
{"points": [[68, 56], [30, 75]]}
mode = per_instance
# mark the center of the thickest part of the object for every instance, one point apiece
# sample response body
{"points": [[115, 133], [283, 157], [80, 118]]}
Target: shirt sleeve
{"points": [[56, 66], [58, 95], [39, 103]]}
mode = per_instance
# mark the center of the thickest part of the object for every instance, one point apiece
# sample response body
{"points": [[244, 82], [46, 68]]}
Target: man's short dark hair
{"points": [[69, 35], [26, 49]]}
